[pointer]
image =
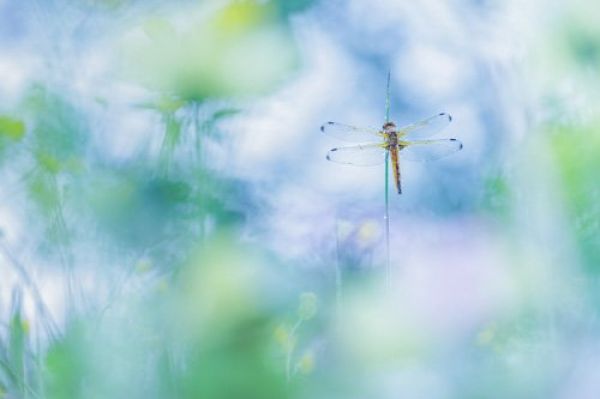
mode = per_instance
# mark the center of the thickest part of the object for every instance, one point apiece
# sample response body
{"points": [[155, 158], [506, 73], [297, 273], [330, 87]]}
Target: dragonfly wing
{"points": [[350, 133], [427, 127], [358, 155], [428, 150]]}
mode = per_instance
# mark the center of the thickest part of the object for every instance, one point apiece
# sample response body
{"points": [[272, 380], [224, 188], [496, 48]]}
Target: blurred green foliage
{"points": [[59, 132], [67, 363], [241, 49], [582, 39], [16, 360], [205, 334], [52, 151], [12, 131], [133, 209], [586, 48], [203, 327], [199, 307], [577, 154], [495, 198]]}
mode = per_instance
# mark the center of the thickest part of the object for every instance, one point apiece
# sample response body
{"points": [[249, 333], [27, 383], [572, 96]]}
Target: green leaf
{"points": [[43, 192], [13, 129], [65, 365], [164, 104], [577, 155], [17, 342], [48, 163], [59, 131]]}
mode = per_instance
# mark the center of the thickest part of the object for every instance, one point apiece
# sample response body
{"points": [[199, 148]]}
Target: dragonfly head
{"points": [[389, 127]]}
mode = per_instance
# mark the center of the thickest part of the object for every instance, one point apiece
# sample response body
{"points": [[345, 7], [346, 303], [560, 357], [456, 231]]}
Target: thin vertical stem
{"points": [[388, 274], [338, 268], [387, 98], [290, 351], [41, 307]]}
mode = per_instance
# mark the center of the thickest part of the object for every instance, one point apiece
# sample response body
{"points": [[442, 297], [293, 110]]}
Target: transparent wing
{"points": [[428, 150], [427, 127], [350, 133], [358, 155]]}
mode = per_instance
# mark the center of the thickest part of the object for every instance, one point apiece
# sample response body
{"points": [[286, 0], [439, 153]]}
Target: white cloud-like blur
{"points": [[346, 57]]}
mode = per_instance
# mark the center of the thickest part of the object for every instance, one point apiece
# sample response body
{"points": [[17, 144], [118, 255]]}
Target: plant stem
{"points": [[388, 274], [338, 268], [42, 309], [387, 98], [290, 353]]}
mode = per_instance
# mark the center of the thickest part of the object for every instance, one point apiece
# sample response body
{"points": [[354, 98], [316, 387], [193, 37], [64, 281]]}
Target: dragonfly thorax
{"points": [[392, 139], [389, 130]]}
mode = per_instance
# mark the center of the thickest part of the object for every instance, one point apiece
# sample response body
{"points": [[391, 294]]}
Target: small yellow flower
{"points": [[306, 364], [368, 232], [283, 338], [25, 326]]}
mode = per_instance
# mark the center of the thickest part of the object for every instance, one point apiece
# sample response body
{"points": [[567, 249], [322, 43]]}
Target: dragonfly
{"points": [[411, 142]]}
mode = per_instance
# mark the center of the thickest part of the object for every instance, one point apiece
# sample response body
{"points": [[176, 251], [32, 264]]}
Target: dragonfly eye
{"points": [[389, 127]]}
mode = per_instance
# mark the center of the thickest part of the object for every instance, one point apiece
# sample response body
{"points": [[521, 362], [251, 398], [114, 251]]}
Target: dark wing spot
{"points": [[333, 149], [328, 158], [326, 123], [448, 115], [459, 142]]}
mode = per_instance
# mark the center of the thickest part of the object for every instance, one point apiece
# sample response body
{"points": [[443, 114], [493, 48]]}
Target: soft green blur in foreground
{"points": [[164, 297], [207, 332], [237, 50]]}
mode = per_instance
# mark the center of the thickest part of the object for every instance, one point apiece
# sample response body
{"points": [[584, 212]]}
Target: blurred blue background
{"points": [[170, 227]]}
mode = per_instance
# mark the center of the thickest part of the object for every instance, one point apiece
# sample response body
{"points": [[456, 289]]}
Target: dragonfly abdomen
{"points": [[395, 167]]}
